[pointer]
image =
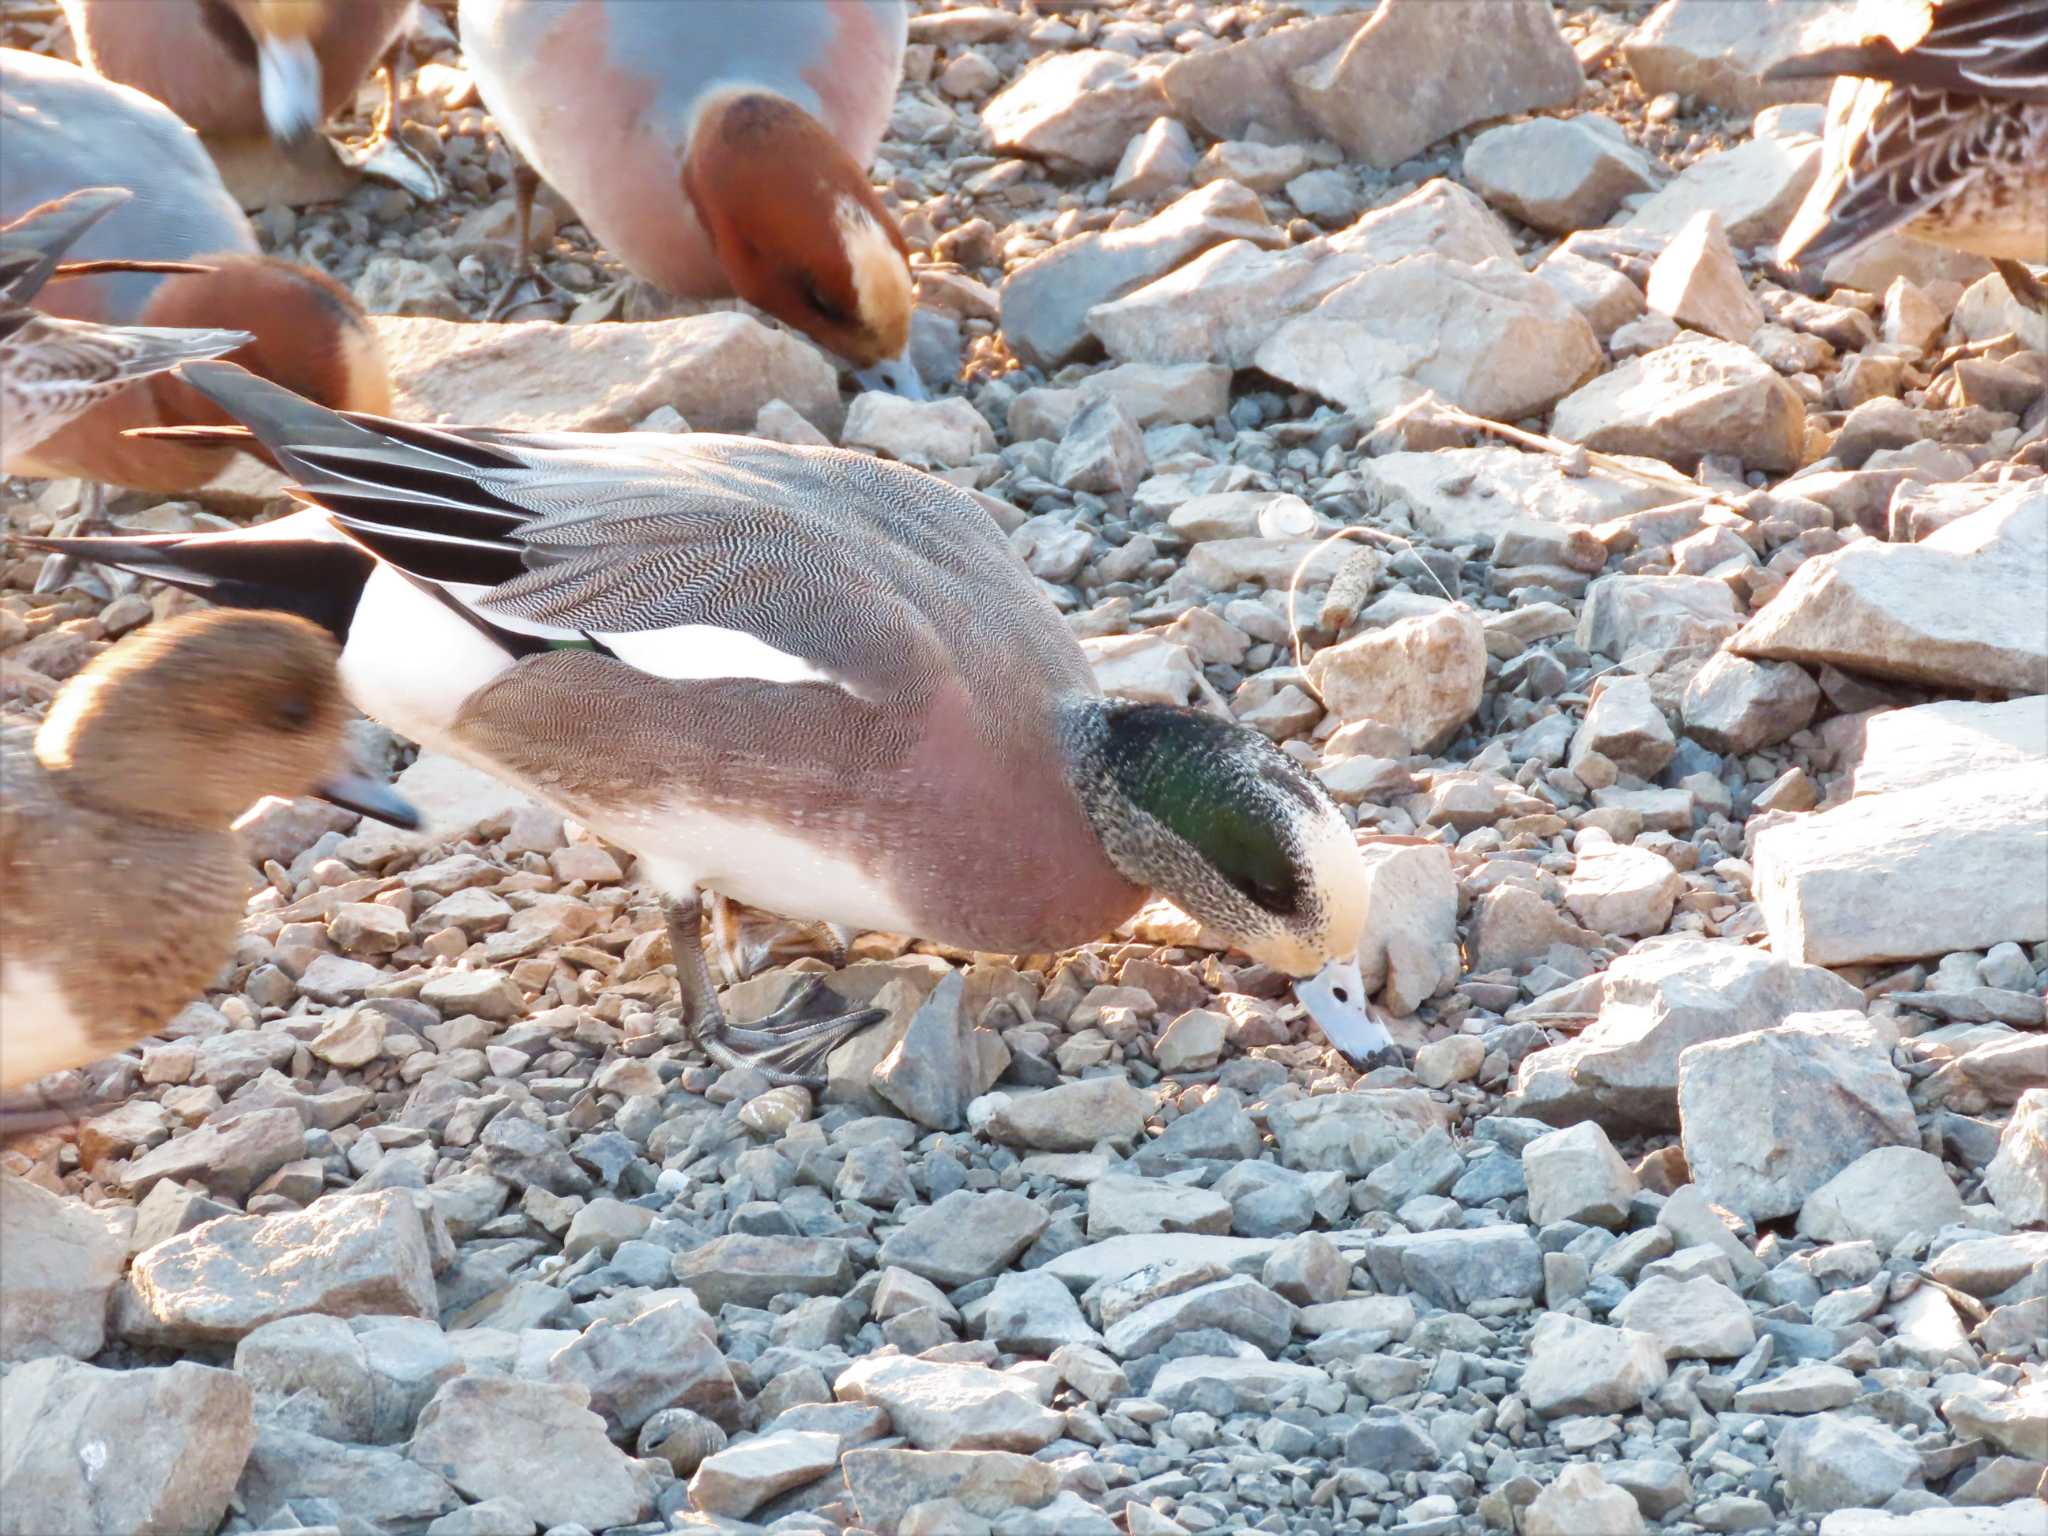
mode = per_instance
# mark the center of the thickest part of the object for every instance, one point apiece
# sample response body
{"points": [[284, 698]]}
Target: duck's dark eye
{"points": [[825, 307], [295, 713]]}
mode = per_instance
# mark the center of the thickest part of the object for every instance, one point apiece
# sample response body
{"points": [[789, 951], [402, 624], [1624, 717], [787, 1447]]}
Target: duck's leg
{"points": [[89, 516], [789, 1045], [525, 185]]}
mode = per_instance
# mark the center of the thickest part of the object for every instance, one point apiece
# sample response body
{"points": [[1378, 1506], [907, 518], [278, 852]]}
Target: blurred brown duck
{"points": [[1938, 125], [236, 68], [124, 885], [66, 130], [52, 370]]}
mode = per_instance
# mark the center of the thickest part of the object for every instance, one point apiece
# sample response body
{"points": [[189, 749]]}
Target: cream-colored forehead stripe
{"points": [[881, 280]]}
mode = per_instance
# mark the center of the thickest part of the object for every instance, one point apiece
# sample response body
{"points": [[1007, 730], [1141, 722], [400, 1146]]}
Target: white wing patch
{"points": [[698, 652]]}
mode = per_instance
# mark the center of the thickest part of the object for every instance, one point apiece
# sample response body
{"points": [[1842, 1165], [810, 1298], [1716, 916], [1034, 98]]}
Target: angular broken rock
{"points": [[1222, 306], [132, 1450], [1654, 1002], [1474, 494], [886, 1484], [966, 1236], [1490, 339], [1352, 1133], [1072, 1117], [1411, 920], [1422, 676], [1616, 888], [1577, 1366], [1558, 174], [1046, 301], [1883, 1196], [1421, 69], [1077, 108], [1931, 743], [1719, 50], [942, 433], [1575, 1174], [346, 1255], [1686, 400], [1770, 1116], [534, 1445], [1654, 623], [1966, 607], [59, 1264], [951, 1406], [1696, 282], [1951, 865], [716, 370], [741, 1478], [752, 1270], [1696, 1319], [1624, 725], [1753, 189], [2017, 1178], [1737, 705]]}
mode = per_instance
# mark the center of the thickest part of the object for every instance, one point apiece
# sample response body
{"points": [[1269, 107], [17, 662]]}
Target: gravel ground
{"points": [[1699, 743]]}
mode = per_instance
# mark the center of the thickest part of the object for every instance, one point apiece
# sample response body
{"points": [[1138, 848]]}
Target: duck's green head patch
{"points": [[1214, 786]]}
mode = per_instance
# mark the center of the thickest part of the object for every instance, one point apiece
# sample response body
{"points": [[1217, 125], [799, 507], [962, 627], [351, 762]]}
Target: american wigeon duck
{"points": [[65, 130], [812, 681], [125, 886], [236, 68], [54, 370], [717, 148], [1939, 125]]}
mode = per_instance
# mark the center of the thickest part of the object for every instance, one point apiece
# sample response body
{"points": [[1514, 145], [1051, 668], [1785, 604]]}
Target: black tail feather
{"points": [[321, 580]]}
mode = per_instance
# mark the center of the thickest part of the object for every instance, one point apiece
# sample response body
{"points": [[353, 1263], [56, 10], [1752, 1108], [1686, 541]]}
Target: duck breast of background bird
{"points": [[125, 884], [717, 148], [240, 68], [66, 129]]}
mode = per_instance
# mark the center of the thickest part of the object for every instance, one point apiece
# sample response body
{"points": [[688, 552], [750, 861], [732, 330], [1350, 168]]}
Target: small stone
{"points": [[1453, 1059], [1883, 1196], [1691, 1319], [1577, 1366], [1582, 1503], [2017, 1178], [1576, 1175], [534, 1445], [1422, 676], [1770, 1116], [965, 1236], [1696, 282], [1834, 1461], [951, 1407], [931, 433], [741, 1478], [59, 1266]]}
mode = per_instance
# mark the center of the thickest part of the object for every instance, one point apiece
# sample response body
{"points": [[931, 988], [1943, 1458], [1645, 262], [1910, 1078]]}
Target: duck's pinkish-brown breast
{"points": [[988, 843], [590, 118]]}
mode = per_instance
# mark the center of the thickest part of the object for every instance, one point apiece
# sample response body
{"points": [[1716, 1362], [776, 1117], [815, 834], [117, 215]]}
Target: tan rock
{"points": [[1046, 301], [1078, 108], [1753, 189], [1490, 339], [1718, 50], [1422, 69], [1966, 607], [1688, 399], [1951, 865], [1696, 282], [59, 1265], [1932, 743], [1558, 174], [718, 370], [1422, 676]]}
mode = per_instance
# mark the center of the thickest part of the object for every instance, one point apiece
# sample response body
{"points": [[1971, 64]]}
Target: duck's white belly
{"points": [[39, 1031], [686, 847]]}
